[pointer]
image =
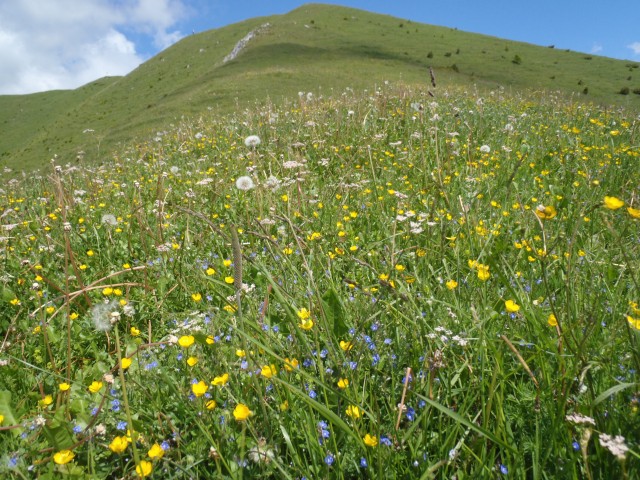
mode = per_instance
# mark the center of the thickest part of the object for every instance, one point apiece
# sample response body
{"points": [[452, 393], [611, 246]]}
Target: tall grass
{"points": [[414, 287]]}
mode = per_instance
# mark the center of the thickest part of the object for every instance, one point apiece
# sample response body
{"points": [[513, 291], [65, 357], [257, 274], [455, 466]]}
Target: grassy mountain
{"points": [[313, 48]]}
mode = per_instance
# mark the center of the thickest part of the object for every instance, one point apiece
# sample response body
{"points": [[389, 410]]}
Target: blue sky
{"points": [[55, 44]]}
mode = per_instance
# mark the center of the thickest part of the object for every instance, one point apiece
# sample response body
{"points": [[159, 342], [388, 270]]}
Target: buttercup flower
{"points": [[221, 380], [119, 444], [199, 389], [451, 284], [370, 440], [613, 203], [95, 386], [268, 371], [343, 383], [143, 469], [546, 213], [354, 412], [63, 457], [511, 306], [552, 321], [155, 451], [186, 341], [241, 412]]}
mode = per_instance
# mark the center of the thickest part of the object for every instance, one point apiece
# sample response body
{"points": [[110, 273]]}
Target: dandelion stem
{"points": [[125, 399]]}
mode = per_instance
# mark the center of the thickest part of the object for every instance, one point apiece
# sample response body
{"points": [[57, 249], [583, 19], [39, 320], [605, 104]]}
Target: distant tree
{"points": [[624, 91], [516, 59]]}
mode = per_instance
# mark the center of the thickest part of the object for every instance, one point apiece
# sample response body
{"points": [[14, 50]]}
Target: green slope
{"points": [[316, 48]]}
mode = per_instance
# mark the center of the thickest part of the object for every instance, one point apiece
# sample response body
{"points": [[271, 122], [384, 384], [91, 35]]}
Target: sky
{"points": [[64, 44]]}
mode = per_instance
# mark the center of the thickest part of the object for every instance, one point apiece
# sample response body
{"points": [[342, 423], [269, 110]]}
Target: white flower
{"points": [[252, 141], [615, 445], [101, 315], [485, 148], [109, 219], [244, 183], [579, 419]]}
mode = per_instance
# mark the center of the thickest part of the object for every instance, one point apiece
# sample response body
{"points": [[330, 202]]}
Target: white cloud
{"points": [[596, 48], [635, 47], [60, 44]]}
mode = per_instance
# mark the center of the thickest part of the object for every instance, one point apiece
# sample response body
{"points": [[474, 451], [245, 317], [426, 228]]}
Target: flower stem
{"points": [[125, 398]]}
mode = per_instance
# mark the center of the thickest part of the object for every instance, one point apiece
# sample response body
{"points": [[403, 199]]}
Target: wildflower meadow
{"points": [[384, 284]]}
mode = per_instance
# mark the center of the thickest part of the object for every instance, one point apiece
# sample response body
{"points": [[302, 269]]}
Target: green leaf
{"points": [[334, 313], [7, 412], [460, 419], [6, 294], [58, 432], [612, 391]]}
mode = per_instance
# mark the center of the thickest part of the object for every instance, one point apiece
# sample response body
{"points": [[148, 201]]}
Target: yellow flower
{"points": [[290, 364], [63, 457], [90, 253], [125, 363], [634, 212], [306, 324], [64, 386], [191, 361], [73, 316], [14, 302], [211, 404], [155, 451], [196, 297], [228, 280], [268, 371], [241, 353], [370, 440], [346, 346], [285, 198], [107, 291], [287, 250], [1, 419], [221, 380], [343, 383], [186, 341], [199, 389], [613, 203], [230, 308], [303, 314], [546, 213], [400, 268], [143, 469], [451, 284], [126, 266], [119, 444], [134, 332], [241, 412], [354, 412], [50, 310], [210, 271], [483, 272], [284, 406], [210, 340], [117, 292], [634, 322], [511, 306], [552, 321], [226, 263], [95, 387], [46, 401]]}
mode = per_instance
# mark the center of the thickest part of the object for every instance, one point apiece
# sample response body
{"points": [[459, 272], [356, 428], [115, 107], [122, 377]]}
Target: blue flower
{"points": [[503, 469], [165, 446], [363, 462], [122, 425], [329, 459], [411, 414], [576, 445], [386, 441]]}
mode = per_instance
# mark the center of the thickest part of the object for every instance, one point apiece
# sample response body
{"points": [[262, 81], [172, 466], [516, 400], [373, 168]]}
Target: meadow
{"points": [[368, 284]]}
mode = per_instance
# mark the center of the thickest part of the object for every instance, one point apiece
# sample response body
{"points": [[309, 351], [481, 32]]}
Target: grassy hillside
{"points": [[314, 48], [387, 285]]}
